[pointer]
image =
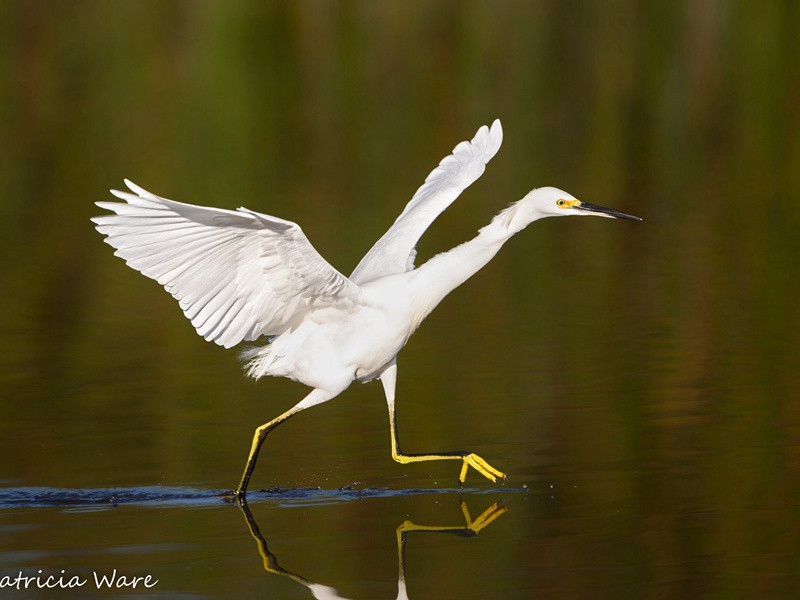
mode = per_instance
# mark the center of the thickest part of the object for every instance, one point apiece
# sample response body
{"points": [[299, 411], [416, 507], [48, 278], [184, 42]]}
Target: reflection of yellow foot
{"points": [[487, 516], [481, 466], [471, 527]]}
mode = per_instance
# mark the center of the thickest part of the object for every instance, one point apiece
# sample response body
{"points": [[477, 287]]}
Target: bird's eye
{"points": [[562, 203]]}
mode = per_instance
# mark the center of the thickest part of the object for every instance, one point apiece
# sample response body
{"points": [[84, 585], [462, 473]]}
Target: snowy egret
{"points": [[239, 275]]}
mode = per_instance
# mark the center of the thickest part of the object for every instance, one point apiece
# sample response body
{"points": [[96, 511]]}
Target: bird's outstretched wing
{"points": [[396, 250], [236, 274]]}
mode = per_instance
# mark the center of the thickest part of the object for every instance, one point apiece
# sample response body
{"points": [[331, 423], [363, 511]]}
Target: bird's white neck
{"points": [[443, 273], [511, 220]]}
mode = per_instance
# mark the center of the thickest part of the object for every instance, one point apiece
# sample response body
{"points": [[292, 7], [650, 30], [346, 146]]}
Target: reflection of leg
{"points": [[316, 396], [470, 459], [271, 565], [270, 562], [472, 528]]}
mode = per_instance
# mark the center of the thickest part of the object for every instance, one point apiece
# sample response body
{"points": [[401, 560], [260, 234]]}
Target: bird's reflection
{"points": [[322, 592]]}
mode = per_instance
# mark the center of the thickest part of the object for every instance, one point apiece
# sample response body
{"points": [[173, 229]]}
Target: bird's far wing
{"points": [[236, 274], [396, 250]]}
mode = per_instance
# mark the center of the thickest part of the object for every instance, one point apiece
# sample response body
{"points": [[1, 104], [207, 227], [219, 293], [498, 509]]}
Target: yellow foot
{"points": [[481, 466]]}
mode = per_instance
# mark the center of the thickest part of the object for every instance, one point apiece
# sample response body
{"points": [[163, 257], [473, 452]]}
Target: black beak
{"points": [[606, 212]]}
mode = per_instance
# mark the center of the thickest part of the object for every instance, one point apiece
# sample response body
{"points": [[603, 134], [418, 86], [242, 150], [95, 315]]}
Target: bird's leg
{"points": [[258, 439], [317, 396], [470, 459]]}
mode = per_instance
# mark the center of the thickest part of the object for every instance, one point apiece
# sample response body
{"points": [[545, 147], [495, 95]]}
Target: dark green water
{"points": [[637, 381]]}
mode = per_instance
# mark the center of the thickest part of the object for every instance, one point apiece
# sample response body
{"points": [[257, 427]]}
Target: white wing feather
{"points": [[396, 250], [237, 275]]}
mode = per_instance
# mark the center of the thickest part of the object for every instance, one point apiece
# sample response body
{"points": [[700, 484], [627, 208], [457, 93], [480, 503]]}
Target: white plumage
{"points": [[396, 250], [239, 275]]}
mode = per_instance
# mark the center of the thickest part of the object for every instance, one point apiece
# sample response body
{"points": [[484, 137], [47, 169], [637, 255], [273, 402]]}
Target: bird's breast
{"points": [[345, 343]]}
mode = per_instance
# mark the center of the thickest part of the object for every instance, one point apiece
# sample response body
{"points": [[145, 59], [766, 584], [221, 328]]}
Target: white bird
{"points": [[239, 275]]}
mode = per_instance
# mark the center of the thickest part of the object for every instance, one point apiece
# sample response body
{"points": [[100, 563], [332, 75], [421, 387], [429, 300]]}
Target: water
{"points": [[207, 545], [637, 381]]}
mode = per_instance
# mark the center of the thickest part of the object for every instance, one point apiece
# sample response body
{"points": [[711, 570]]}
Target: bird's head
{"points": [[552, 202]]}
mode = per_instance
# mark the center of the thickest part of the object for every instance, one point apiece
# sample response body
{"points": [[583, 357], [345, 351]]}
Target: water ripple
{"points": [[40, 497]]}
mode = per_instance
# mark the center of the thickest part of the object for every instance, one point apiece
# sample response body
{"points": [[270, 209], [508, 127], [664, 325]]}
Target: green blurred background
{"points": [[653, 365]]}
